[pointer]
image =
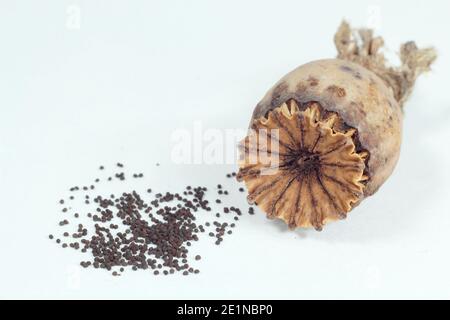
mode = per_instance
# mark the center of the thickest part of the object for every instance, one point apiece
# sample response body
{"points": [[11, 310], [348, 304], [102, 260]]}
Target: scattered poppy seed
{"points": [[154, 235]]}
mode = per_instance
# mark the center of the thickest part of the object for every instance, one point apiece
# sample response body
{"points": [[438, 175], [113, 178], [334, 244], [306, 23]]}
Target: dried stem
{"points": [[414, 61]]}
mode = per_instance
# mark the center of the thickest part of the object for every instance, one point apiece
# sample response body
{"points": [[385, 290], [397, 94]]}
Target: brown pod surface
{"points": [[338, 126]]}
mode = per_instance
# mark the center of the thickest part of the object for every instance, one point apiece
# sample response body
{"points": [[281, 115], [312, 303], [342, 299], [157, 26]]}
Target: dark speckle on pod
{"points": [[337, 91], [313, 81], [354, 73], [278, 91]]}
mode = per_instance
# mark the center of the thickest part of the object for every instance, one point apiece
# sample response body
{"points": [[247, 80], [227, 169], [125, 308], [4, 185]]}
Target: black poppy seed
{"points": [[61, 201], [64, 245], [198, 257], [101, 167], [50, 236], [241, 189], [165, 236]]}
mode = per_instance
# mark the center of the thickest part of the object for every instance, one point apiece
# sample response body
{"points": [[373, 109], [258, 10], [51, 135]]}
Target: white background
{"points": [[115, 84]]}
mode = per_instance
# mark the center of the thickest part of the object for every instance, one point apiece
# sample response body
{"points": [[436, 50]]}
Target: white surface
{"points": [[115, 89]]}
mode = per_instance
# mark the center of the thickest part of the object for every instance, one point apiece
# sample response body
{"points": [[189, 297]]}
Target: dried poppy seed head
{"points": [[339, 124]]}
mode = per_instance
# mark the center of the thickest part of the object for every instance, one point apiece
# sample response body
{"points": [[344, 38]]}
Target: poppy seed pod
{"points": [[332, 131]]}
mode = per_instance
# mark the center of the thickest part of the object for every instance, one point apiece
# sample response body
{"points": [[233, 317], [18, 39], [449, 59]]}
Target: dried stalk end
{"points": [[301, 165], [414, 61]]}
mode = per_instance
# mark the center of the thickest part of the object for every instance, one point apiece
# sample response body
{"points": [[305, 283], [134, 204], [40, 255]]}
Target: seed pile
{"points": [[135, 231]]}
